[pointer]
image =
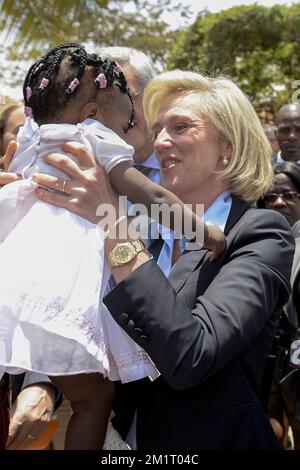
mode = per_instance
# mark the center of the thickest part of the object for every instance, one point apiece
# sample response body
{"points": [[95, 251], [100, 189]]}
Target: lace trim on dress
{"points": [[125, 360], [117, 162]]}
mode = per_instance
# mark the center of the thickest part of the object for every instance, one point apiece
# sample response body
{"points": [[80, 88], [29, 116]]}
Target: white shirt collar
{"points": [[217, 214]]}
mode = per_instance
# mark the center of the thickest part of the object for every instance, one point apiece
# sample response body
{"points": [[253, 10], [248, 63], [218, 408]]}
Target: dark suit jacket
{"points": [[285, 387], [208, 328]]}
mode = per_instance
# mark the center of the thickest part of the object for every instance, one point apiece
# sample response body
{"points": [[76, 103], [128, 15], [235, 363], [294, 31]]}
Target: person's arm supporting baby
{"points": [[128, 181]]}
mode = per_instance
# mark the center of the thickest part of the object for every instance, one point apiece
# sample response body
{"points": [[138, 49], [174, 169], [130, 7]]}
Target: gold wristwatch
{"points": [[123, 253]]}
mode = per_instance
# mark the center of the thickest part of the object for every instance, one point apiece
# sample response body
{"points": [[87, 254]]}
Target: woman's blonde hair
{"points": [[249, 172]]}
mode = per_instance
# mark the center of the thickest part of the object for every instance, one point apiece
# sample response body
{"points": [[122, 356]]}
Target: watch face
{"points": [[123, 253]]}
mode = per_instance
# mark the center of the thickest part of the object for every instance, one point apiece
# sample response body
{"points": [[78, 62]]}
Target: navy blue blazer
{"points": [[208, 328]]}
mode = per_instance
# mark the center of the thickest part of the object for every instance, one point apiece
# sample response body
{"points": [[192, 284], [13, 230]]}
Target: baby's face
{"points": [[118, 112]]}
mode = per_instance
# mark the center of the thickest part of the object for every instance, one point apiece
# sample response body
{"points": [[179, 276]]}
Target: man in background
{"points": [[287, 122]]}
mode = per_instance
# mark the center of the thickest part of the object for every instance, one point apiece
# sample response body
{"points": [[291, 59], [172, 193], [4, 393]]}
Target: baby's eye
{"points": [[128, 127], [130, 124]]}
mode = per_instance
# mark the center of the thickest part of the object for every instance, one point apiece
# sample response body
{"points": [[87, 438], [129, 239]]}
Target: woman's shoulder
{"points": [[257, 218], [264, 231], [264, 238]]}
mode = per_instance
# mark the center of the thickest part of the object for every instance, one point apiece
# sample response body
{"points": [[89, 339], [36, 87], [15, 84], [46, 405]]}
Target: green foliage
{"points": [[257, 46], [30, 27]]}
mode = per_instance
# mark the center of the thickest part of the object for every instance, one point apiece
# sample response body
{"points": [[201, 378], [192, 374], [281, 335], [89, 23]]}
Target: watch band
{"points": [[138, 245], [123, 253]]}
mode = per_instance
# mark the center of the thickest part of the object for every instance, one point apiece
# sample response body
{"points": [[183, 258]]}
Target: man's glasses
{"points": [[287, 196]]}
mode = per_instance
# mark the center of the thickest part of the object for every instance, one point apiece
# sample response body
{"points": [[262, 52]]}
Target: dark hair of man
{"points": [[48, 89]]}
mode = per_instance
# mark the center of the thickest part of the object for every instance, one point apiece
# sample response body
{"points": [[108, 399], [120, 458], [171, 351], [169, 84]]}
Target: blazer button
{"points": [[145, 338], [130, 325], [123, 319], [138, 331]]}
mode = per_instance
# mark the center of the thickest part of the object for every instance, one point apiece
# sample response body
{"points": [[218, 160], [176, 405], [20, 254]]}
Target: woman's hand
{"points": [[87, 188], [31, 413]]}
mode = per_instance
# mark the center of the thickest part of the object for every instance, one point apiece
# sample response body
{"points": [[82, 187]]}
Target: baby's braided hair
{"points": [[45, 95]]}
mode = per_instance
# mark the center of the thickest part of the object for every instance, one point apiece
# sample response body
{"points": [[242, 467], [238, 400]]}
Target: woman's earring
{"points": [[225, 160]]}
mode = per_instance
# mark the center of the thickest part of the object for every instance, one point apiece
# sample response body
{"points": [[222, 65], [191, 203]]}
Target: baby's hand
{"points": [[215, 242]]}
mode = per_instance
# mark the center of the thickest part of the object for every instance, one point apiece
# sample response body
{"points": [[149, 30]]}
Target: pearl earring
{"points": [[225, 160]]}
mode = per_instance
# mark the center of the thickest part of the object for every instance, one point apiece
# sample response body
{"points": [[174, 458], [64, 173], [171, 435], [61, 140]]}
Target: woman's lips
{"points": [[168, 162]]}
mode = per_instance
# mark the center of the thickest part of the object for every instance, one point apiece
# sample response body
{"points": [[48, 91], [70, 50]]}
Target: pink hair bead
{"points": [[118, 68], [38, 67], [44, 83], [101, 80], [28, 111], [28, 92], [74, 83]]}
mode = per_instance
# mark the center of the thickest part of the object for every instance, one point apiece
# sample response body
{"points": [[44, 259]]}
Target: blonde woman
{"points": [[207, 326]]}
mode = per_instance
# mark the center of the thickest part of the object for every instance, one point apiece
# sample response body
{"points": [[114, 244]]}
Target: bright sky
{"points": [[218, 5]]}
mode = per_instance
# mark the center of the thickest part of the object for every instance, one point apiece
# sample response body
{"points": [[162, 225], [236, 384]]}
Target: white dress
{"points": [[53, 273]]}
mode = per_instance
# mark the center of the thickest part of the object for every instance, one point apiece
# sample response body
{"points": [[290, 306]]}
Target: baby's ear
{"points": [[90, 110]]}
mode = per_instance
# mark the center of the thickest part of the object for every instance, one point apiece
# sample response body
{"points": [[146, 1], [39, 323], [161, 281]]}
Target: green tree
{"points": [[30, 27], [255, 45]]}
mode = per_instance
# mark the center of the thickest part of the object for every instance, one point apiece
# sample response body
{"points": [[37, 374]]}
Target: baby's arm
{"points": [[128, 181]]}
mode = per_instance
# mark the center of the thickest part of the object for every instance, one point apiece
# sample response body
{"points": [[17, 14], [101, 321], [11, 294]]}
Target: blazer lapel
{"points": [[184, 266], [238, 208]]}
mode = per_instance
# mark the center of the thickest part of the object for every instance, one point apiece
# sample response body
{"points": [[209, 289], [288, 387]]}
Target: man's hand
{"points": [[278, 427], [31, 413]]}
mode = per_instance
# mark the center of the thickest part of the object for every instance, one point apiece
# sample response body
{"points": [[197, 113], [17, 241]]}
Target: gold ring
{"points": [[64, 186], [30, 436]]}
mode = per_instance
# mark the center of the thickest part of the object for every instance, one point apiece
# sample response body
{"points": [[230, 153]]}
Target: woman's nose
{"points": [[162, 139]]}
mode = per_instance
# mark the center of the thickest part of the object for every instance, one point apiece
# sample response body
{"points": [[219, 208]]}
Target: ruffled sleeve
{"points": [[108, 148]]}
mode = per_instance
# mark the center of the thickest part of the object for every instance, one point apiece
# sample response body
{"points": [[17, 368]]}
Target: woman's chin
{"points": [[169, 181]]}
